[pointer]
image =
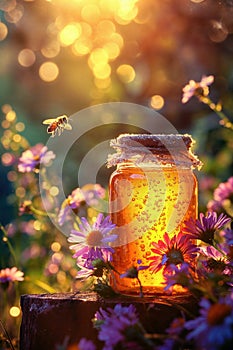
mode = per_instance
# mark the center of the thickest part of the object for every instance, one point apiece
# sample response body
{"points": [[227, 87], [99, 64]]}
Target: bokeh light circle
{"points": [[48, 71], [26, 57], [3, 31]]}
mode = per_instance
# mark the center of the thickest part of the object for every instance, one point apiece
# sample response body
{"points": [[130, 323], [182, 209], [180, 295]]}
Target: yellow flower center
{"points": [[217, 313], [94, 238]]}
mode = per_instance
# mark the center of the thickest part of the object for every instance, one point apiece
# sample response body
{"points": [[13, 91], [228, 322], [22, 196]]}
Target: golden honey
{"points": [[152, 191]]}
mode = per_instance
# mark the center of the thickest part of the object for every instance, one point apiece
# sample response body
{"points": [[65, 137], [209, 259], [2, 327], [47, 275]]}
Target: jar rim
{"points": [[153, 141], [159, 148]]}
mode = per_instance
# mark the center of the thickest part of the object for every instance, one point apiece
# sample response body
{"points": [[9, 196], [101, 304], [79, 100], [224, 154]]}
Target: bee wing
{"points": [[68, 126], [48, 121]]}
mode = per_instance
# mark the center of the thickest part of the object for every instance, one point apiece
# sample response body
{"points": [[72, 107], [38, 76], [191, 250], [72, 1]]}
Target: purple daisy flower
{"points": [[213, 205], [73, 201], [197, 88], [228, 235], [172, 251], [206, 227], [224, 190], [31, 159], [85, 344], [92, 241], [215, 259], [222, 197], [212, 252], [114, 323], [178, 275], [90, 194], [93, 193], [213, 328]]}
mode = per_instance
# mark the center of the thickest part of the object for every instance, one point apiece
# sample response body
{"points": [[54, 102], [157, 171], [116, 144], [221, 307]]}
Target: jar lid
{"points": [[166, 149]]}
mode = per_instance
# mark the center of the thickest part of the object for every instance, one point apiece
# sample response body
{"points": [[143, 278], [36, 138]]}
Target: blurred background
{"points": [[61, 56]]}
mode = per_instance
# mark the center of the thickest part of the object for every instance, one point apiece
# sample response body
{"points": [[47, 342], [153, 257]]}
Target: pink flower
{"points": [[222, 198], [172, 251], [31, 159], [194, 88], [90, 194], [213, 205], [11, 275], [224, 190], [213, 259], [75, 198]]}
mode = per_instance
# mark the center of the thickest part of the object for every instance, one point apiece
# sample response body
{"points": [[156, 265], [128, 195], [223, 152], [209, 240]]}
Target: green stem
{"points": [[41, 213], [6, 240], [218, 110], [140, 288], [44, 286]]}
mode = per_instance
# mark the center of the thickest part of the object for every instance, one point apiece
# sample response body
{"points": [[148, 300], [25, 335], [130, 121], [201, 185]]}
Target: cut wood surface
{"points": [[50, 319]]}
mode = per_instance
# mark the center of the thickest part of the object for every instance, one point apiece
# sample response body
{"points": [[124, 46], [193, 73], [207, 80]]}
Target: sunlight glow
{"points": [[126, 73], [11, 115], [102, 71], [12, 176], [7, 159], [20, 126], [26, 57], [82, 47], [91, 13], [14, 311], [157, 102], [127, 11], [37, 225], [70, 33], [98, 56], [54, 190], [112, 49], [61, 278], [20, 192], [102, 83], [56, 246], [3, 31], [51, 50], [17, 138], [8, 5], [14, 15], [48, 71], [91, 28]]}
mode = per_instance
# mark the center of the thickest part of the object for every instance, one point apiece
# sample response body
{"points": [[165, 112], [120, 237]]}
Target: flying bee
{"points": [[57, 125]]}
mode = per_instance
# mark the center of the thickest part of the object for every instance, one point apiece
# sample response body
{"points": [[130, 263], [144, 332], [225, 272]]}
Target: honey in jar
{"points": [[153, 191]]}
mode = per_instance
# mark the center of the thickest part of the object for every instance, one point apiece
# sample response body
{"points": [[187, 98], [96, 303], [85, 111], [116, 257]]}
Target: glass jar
{"points": [[153, 191]]}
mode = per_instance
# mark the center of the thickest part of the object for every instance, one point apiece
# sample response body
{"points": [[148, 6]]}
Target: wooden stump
{"points": [[49, 319]]}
